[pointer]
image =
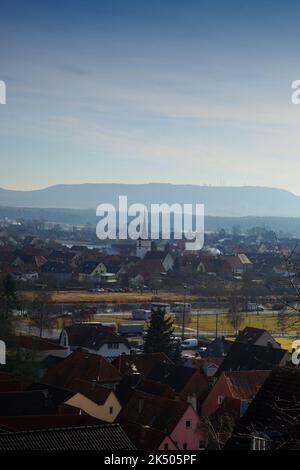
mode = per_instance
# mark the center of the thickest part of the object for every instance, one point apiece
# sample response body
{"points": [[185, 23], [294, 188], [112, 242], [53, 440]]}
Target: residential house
{"points": [[219, 347], [84, 366], [94, 338], [148, 270], [236, 265], [272, 420], [37, 348], [147, 438], [209, 365], [130, 383], [252, 357], [257, 336], [177, 419], [95, 400], [241, 386], [91, 271], [165, 257], [57, 270], [189, 383]]}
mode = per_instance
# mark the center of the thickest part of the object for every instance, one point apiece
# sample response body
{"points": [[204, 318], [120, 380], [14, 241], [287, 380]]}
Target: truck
{"points": [[141, 314], [181, 307], [131, 329], [160, 306]]}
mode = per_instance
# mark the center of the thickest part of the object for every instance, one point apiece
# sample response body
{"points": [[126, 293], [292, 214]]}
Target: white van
{"points": [[191, 343]]}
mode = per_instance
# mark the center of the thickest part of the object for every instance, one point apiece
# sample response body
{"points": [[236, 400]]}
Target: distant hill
{"points": [[219, 201], [287, 225]]}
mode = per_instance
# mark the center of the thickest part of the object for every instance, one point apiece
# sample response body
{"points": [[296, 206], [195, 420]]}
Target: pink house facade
{"points": [[187, 434]]}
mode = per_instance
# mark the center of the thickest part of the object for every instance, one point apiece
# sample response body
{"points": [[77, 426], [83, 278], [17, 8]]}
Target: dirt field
{"points": [[110, 297]]}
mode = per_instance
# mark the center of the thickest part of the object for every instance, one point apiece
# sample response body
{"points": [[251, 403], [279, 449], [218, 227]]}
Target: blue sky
{"points": [[131, 91]]}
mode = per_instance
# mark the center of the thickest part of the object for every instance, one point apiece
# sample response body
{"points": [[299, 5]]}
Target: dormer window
{"points": [[258, 443]]}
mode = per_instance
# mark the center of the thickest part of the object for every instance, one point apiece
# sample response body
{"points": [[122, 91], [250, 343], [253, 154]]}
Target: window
{"points": [[111, 410], [188, 424], [184, 446], [113, 345], [258, 443], [220, 399], [202, 444], [166, 446]]}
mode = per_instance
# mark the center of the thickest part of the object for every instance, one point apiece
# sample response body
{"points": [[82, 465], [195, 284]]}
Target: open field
{"points": [[268, 321], [111, 297], [207, 323]]}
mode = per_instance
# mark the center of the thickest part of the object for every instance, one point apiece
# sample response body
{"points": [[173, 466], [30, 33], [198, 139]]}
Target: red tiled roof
{"points": [[84, 366], [244, 385], [91, 390], [39, 344]]}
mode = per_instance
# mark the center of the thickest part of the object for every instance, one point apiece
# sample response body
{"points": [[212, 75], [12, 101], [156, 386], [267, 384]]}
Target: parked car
{"points": [[254, 307]]}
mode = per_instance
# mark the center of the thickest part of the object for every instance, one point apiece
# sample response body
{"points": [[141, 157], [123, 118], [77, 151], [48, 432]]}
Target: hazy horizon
{"points": [[131, 92], [39, 188]]}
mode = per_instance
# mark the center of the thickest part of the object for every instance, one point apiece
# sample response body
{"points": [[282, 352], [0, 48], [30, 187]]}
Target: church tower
{"points": [[143, 244]]}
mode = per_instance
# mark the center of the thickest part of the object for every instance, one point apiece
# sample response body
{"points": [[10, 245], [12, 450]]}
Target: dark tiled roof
{"points": [[26, 403], [92, 336], [84, 366], [218, 348], [244, 385], [58, 395], [91, 390], [251, 357], [177, 377], [39, 344], [273, 414], [104, 437], [56, 267], [10, 386], [157, 412], [31, 423], [139, 363], [51, 361], [161, 255], [130, 383], [88, 267], [143, 437], [250, 335]]}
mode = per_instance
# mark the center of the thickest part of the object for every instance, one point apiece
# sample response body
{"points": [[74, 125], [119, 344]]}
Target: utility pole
{"points": [[217, 320], [183, 314]]}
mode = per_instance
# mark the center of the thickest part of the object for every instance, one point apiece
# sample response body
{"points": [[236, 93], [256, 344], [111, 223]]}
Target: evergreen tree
{"points": [[176, 356], [8, 302], [159, 334]]}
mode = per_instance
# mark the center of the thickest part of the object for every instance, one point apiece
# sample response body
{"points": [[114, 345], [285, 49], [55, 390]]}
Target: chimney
{"points": [[46, 397], [143, 434], [140, 405]]}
